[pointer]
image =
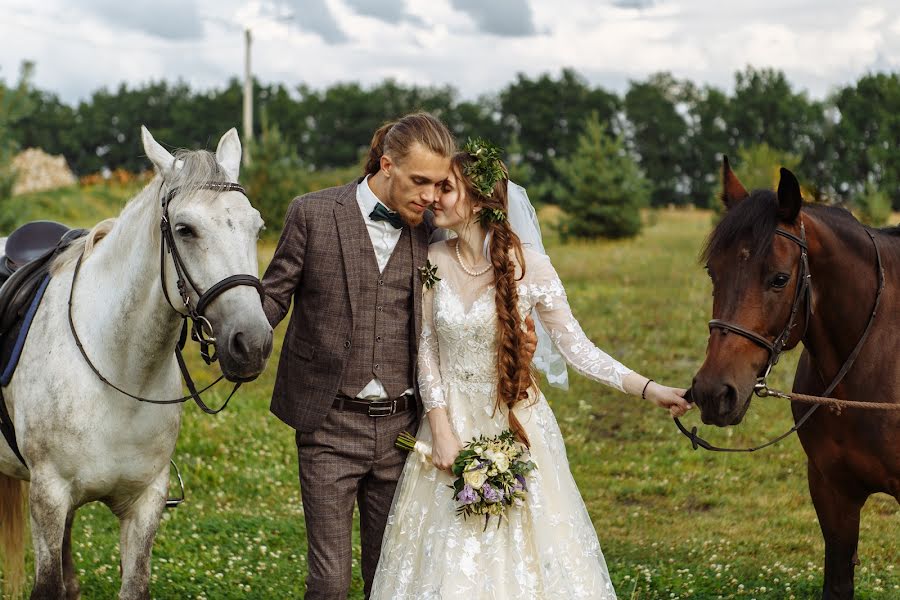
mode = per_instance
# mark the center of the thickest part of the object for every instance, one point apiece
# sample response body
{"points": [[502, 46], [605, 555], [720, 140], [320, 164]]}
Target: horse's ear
{"points": [[161, 158], [732, 189], [228, 154], [789, 198]]}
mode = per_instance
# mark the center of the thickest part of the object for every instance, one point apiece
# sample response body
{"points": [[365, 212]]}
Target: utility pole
{"points": [[248, 98]]}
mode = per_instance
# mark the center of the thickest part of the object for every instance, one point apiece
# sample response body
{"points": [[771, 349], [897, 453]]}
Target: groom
{"points": [[348, 257]]}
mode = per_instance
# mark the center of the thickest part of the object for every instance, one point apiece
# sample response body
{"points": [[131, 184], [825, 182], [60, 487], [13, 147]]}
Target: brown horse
{"points": [[787, 272]]}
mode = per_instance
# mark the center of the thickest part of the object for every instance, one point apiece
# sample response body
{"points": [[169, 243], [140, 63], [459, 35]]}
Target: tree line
{"points": [[675, 130]]}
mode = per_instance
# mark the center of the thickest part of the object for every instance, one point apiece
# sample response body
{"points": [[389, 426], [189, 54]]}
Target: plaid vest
{"points": [[381, 339]]}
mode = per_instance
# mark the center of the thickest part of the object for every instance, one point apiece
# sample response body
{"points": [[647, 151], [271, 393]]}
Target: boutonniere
{"points": [[428, 275]]}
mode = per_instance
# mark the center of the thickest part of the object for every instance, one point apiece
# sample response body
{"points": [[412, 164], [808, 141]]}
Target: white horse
{"points": [[82, 440]]}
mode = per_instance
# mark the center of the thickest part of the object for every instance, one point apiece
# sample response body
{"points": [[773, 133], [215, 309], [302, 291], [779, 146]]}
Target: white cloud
{"points": [[818, 44], [499, 17], [315, 16], [171, 19], [388, 11]]}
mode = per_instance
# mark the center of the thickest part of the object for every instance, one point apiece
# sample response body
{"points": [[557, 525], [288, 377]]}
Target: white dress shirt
{"points": [[384, 238]]}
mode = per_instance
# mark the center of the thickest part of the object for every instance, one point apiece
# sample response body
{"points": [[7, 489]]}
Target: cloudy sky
{"points": [[475, 45]]}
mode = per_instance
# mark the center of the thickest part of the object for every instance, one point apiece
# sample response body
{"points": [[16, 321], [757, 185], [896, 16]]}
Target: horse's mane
{"points": [[194, 169], [754, 220], [83, 245], [197, 168]]}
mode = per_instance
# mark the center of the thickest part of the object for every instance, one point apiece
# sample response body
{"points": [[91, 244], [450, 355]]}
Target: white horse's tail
{"points": [[12, 535]]}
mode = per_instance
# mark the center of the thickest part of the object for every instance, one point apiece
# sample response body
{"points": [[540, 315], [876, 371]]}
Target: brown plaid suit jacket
{"points": [[317, 264]]}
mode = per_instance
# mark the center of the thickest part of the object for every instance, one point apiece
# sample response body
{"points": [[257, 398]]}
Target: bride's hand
{"points": [[445, 448], [671, 399]]}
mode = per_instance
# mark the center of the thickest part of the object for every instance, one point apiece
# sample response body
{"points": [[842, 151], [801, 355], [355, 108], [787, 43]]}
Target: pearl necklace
{"points": [[465, 268]]}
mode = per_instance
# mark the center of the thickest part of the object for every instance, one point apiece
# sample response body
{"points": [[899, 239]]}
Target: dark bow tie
{"points": [[381, 213]]}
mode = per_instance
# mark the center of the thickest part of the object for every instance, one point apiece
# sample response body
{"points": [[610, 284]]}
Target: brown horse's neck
{"points": [[842, 263]]}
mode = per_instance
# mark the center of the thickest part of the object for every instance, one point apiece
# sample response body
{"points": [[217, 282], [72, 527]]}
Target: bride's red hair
{"points": [[513, 366]]}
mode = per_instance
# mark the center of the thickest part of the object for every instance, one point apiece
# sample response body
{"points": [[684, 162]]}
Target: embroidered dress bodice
{"points": [[546, 549], [459, 327]]}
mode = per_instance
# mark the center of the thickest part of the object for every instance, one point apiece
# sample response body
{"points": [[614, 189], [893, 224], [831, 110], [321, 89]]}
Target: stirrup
{"points": [[174, 502]]}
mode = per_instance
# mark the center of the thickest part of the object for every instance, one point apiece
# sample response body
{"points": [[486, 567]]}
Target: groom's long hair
{"points": [[397, 138], [514, 374]]}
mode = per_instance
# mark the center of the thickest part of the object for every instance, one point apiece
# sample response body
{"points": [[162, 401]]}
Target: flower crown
{"points": [[485, 170]]}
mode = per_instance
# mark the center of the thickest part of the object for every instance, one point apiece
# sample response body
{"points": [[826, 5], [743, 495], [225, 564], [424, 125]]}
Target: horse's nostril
{"points": [[239, 346], [727, 398]]}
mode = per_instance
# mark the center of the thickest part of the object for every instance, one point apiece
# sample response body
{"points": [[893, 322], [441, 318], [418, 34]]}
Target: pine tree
{"points": [[15, 104], [602, 188]]}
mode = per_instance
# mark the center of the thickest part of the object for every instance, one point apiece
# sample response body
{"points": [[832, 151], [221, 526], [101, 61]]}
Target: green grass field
{"points": [[673, 523]]}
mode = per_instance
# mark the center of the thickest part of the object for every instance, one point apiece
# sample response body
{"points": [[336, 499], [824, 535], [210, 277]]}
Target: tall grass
{"points": [[673, 522]]}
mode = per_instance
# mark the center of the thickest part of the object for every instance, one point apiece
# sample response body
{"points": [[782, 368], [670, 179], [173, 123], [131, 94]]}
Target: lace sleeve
{"points": [[430, 386], [549, 298]]}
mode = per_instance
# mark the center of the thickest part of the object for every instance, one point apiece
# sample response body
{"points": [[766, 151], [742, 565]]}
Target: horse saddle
{"points": [[30, 250], [24, 275]]}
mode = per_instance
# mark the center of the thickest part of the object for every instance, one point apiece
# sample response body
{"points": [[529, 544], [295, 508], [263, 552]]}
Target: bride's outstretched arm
{"points": [[580, 352], [445, 445]]}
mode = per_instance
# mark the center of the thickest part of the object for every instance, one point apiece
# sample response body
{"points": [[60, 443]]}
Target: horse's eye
{"points": [[184, 231], [781, 280]]}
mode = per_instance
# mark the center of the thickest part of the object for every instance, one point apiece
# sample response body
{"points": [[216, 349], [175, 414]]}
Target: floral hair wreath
{"points": [[485, 171]]}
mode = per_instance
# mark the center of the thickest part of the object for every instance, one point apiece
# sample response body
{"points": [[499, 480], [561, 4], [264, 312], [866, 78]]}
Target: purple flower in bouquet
{"points": [[467, 495], [520, 484], [490, 494], [490, 474]]}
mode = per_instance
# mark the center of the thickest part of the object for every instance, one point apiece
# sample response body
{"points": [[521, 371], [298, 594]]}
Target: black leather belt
{"points": [[374, 408]]}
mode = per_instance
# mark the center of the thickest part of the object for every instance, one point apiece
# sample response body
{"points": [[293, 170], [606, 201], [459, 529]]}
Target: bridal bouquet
{"points": [[490, 473]]}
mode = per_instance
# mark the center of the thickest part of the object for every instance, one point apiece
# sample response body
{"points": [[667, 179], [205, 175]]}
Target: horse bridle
{"points": [[199, 323], [803, 294], [201, 330]]}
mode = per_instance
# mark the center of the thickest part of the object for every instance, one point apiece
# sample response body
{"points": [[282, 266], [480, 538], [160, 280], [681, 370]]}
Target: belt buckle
{"points": [[382, 408]]}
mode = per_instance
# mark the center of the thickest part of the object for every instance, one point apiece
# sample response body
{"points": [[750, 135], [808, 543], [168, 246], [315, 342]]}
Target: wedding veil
{"points": [[523, 221]]}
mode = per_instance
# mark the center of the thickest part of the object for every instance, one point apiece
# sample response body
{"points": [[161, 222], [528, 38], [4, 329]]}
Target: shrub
{"points": [[873, 206], [602, 189], [276, 175]]}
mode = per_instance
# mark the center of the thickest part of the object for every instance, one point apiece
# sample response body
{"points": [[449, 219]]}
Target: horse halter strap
{"points": [[761, 389], [194, 313], [801, 295], [201, 329]]}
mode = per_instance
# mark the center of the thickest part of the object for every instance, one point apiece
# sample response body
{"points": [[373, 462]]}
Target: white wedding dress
{"points": [[545, 549]]}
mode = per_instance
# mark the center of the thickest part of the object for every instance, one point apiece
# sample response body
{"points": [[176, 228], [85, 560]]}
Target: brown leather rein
{"points": [[776, 347], [201, 329]]}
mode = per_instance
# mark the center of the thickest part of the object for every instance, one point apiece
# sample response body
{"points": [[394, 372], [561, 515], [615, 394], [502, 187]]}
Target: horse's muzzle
{"points": [[243, 353], [721, 403]]}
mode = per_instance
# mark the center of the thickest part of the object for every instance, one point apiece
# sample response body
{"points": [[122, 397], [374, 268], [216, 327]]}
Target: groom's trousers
{"points": [[350, 459]]}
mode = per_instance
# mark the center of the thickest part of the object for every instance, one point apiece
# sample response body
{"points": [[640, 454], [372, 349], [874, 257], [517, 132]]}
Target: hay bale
{"points": [[37, 171]]}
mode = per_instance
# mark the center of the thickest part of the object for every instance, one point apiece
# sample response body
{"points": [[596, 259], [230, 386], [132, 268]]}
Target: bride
{"points": [[471, 373]]}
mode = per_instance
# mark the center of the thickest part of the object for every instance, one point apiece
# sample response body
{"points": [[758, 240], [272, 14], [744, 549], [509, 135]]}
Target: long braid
{"points": [[514, 375], [511, 364]]}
